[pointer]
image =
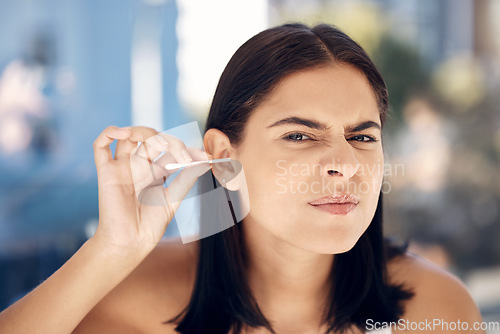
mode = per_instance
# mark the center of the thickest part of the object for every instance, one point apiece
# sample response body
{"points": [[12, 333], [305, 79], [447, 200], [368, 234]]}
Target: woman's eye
{"points": [[363, 139], [297, 137]]}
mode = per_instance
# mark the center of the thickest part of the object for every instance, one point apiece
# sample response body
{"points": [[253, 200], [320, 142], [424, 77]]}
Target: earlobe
{"points": [[218, 146]]}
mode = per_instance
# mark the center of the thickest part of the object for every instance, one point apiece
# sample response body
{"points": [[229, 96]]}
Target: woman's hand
{"points": [[134, 211], [134, 207]]}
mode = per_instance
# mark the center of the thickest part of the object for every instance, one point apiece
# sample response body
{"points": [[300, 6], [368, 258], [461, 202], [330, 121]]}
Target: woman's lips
{"points": [[336, 209], [339, 204]]}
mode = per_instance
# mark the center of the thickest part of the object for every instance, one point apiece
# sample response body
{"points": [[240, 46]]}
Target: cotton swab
{"points": [[177, 166]]}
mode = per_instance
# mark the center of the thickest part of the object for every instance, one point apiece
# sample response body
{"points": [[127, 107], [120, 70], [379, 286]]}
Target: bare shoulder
{"points": [[156, 291], [439, 295]]}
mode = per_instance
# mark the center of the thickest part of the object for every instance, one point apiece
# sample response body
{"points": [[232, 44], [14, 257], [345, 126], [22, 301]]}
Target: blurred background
{"points": [[70, 68]]}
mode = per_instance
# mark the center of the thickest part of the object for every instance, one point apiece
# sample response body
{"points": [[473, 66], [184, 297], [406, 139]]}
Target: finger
{"points": [[142, 134], [178, 188], [163, 142], [181, 185], [142, 174], [124, 148], [175, 147], [102, 152], [150, 147], [156, 146], [162, 149], [145, 171], [198, 154]]}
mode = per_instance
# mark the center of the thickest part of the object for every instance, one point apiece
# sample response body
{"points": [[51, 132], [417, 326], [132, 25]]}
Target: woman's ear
{"points": [[217, 144]]}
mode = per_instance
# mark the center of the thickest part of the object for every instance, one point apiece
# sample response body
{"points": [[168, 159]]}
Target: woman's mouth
{"points": [[339, 204]]}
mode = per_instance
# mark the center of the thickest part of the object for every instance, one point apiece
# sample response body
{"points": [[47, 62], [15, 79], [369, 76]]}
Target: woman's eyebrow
{"points": [[362, 126], [300, 121], [322, 126]]}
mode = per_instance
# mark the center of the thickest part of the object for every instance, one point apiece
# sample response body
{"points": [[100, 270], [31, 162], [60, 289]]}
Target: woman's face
{"points": [[301, 145]]}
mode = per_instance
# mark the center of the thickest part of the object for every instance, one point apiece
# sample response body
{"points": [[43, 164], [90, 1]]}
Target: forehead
{"points": [[336, 94]]}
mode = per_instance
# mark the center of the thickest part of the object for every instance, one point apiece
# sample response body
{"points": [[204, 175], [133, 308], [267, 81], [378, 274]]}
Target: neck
{"points": [[291, 285]]}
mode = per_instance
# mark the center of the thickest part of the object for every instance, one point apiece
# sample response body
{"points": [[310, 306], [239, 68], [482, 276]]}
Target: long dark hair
{"points": [[222, 299]]}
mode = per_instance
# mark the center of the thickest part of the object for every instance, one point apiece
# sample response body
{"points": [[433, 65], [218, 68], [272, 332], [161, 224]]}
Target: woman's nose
{"points": [[341, 161]]}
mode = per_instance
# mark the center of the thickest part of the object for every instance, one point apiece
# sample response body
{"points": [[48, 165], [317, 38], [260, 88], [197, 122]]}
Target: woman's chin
{"points": [[328, 245]]}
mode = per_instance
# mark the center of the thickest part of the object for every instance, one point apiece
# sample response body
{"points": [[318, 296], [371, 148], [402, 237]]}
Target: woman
{"points": [[302, 110]]}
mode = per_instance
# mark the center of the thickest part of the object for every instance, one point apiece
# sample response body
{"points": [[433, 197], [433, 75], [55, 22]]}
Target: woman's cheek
{"points": [[261, 186]]}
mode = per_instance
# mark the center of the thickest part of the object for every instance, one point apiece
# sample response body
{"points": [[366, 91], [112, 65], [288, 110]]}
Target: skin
{"points": [[290, 259], [132, 282], [291, 243]]}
